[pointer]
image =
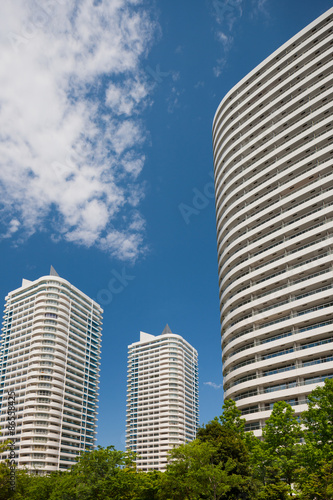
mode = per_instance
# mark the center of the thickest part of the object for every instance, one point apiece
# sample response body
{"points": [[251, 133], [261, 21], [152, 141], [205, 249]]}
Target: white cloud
{"points": [[225, 39], [124, 98], [259, 8], [261, 4], [13, 226], [133, 163], [71, 138], [227, 13], [173, 99], [212, 384], [123, 246], [220, 63], [199, 84]]}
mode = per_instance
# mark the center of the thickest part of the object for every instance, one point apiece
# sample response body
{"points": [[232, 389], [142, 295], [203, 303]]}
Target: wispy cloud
{"points": [[212, 384], [220, 63], [199, 84], [227, 13], [72, 90], [226, 40], [13, 226], [259, 8], [173, 99]]}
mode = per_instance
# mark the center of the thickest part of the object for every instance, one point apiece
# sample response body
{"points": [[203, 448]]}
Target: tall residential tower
{"points": [[49, 360], [162, 397], [272, 139]]}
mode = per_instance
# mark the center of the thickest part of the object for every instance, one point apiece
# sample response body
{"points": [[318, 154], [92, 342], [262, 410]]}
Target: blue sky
{"points": [[106, 110]]}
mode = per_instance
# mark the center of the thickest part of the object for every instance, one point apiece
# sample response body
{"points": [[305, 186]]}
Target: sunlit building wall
{"points": [[272, 140], [162, 397], [49, 360]]}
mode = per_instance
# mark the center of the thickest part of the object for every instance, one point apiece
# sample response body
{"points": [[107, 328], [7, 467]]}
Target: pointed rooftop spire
{"points": [[53, 272], [166, 329]]}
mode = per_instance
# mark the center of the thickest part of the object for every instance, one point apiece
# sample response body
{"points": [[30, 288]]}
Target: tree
{"points": [[102, 474], [228, 436], [193, 472], [275, 491], [5, 484], [150, 485], [231, 417], [281, 435], [5, 491], [317, 485], [316, 456], [227, 446], [32, 487], [275, 458], [185, 476], [216, 465], [105, 474], [318, 422]]}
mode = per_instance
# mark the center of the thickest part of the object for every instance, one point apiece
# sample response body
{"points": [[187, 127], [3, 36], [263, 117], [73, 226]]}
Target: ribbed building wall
{"points": [[272, 141], [162, 398], [49, 358]]}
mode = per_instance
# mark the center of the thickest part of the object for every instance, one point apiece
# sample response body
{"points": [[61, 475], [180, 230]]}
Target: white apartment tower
{"points": [[49, 361], [162, 397], [272, 140]]}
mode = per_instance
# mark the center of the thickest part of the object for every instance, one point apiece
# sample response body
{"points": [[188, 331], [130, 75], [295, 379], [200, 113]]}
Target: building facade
{"points": [[49, 364], [272, 140], [162, 397]]}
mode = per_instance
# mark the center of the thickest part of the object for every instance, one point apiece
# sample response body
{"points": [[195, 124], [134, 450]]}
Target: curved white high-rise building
{"points": [[162, 397], [272, 140], [49, 365]]}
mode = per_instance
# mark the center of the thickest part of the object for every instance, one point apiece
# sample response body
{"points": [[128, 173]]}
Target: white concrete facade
{"points": [[162, 397], [49, 359], [272, 140]]}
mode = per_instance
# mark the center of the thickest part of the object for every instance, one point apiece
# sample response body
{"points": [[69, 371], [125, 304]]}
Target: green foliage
{"points": [[30, 487], [282, 429], [231, 417], [227, 446], [318, 421], [216, 465], [223, 463], [316, 455], [150, 485], [280, 445], [194, 472], [5, 491], [188, 471], [5, 484], [318, 485], [275, 491], [104, 474]]}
